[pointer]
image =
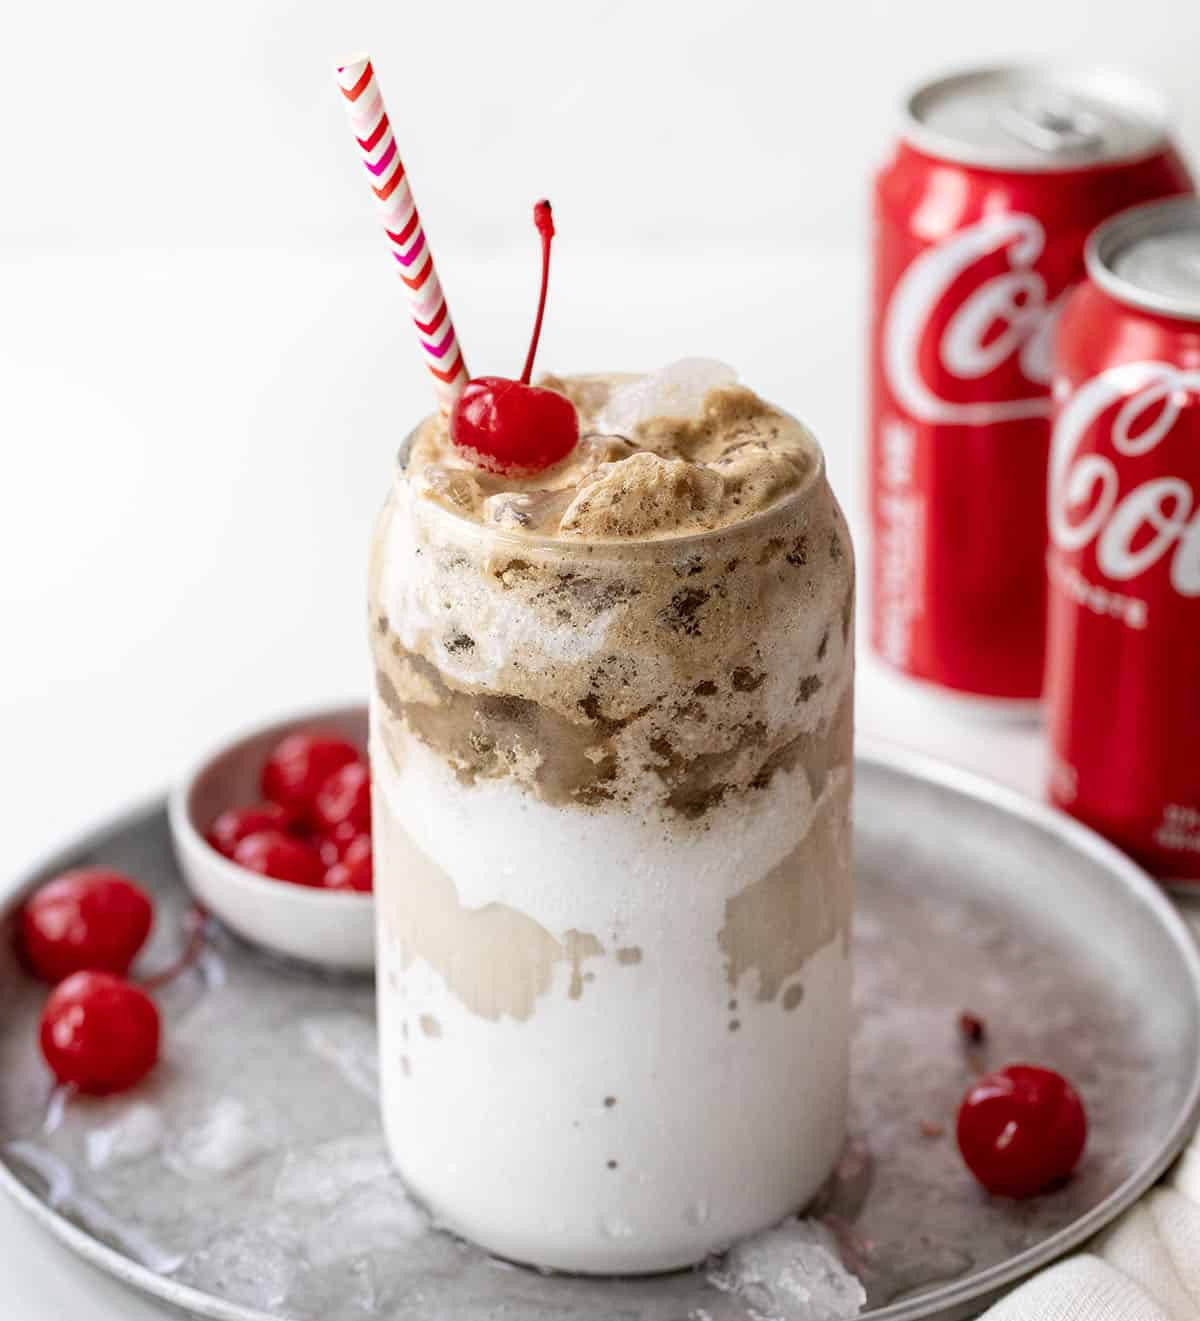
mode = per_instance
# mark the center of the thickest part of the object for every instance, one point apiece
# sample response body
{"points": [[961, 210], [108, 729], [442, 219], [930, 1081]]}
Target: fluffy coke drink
{"points": [[1123, 674], [980, 220]]}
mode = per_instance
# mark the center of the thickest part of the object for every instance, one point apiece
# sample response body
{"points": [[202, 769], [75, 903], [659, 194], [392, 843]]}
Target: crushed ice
{"points": [[790, 1273], [676, 391], [375, 1217], [63, 1194], [226, 1140], [56, 1109], [136, 1132], [326, 1172], [249, 1265], [348, 1043], [363, 1206], [532, 510]]}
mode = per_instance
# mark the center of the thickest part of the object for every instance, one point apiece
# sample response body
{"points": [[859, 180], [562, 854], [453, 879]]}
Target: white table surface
{"points": [[196, 445]]}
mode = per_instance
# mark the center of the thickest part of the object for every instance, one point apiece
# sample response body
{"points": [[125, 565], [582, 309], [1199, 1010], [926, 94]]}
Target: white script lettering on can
{"points": [[1004, 318], [1134, 529]]}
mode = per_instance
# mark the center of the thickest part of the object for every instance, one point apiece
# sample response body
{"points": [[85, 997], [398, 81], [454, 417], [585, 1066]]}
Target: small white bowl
{"points": [[329, 927]]}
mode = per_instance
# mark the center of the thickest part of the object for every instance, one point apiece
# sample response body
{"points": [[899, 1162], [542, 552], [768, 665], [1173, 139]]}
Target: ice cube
{"points": [[326, 1172], [531, 511], [62, 1194], [597, 448], [130, 1239], [790, 1273], [56, 1109], [452, 486], [245, 1265], [54, 1172], [348, 1043], [211, 967], [225, 1141], [677, 391], [136, 1132], [376, 1217]]}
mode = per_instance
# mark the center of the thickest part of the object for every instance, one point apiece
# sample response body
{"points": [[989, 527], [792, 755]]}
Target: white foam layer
{"points": [[574, 868], [722, 1112]]}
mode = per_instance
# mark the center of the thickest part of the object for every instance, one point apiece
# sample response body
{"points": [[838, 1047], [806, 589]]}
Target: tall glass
{"points": [[612, 788]]}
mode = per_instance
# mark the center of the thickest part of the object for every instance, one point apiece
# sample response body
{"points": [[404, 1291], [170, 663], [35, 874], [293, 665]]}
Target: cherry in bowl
{"points": [[314, 923]]}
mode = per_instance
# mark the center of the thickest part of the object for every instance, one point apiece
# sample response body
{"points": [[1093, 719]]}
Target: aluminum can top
{"points": [[1149, 257], [1032, 118]]}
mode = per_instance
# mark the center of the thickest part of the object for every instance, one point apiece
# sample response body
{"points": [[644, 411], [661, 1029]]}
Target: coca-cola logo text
{"points": [[1134, 530], [1005, 318]]}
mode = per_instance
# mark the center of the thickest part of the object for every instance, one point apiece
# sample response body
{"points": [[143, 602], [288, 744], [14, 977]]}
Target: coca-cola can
{"points": [[980, 217], [1123, 665]]}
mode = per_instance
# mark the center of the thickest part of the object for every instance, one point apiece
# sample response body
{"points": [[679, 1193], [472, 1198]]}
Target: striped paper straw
{"points": [[406, 235]]}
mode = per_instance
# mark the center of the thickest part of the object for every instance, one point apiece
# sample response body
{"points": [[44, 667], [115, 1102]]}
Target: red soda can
{"points": [[980, 219], [1123, 664]]}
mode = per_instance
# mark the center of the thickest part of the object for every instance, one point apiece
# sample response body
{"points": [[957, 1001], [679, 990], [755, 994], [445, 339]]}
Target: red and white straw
{"points": [[406, 235]]}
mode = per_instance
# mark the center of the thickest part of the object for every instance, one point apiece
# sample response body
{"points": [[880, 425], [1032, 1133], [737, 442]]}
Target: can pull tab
{"points": [[1052, 124]]}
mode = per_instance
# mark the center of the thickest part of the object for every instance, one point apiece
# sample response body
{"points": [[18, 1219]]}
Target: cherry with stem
{"points": [[543, 218], [511, 426]]}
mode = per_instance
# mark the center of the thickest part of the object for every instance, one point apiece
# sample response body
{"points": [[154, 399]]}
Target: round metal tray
{"points": [[246, 1180]]}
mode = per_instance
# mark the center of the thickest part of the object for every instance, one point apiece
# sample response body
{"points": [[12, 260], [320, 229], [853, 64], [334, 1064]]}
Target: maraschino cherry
{"points": [[512, 426], [99, 1033], [91, 918], [281, 857], [300, 764], [354, 871], [1021, 1130], [235, 823], [344, 799]]}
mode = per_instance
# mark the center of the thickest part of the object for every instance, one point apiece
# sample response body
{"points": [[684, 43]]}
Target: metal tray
{"points": [[246, 1179]]}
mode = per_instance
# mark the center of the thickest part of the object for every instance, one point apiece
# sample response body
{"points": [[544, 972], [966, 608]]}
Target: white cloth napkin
{"points": [[1146, 1267]]}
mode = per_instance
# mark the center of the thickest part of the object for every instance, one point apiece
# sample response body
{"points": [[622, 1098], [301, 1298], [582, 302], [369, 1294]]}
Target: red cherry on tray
{"points": [[99, 1032], [300, 764], [344, 800], [354, 871], [234, 824], [512, 426], [1020, 1130], [280, 856], [90, 918]]}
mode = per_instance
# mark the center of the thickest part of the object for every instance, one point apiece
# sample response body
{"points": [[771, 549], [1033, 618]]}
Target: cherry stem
{"points": [[543, 218], [195, 923]]}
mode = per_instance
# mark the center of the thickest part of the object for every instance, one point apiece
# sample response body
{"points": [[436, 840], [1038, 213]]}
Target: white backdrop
{"points": [[650, 122], [205, 363]]}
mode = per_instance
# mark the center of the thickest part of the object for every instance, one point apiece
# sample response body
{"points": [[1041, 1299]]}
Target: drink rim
{"points": [[1115, 235], [511, 539], [1148, 100]]}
